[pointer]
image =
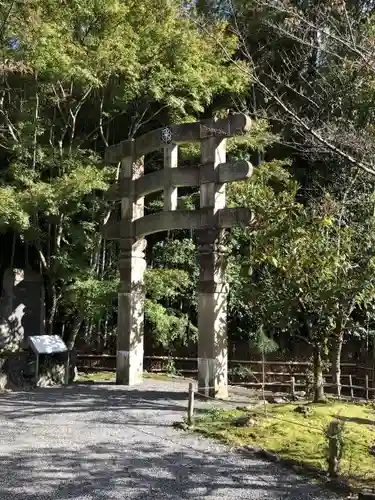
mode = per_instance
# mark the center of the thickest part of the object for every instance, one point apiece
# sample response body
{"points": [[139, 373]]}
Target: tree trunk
{"points": [[99, 336], [319, 395], [336, 360], [52, 305], [73, 332], [88, 331], [105, 333]]}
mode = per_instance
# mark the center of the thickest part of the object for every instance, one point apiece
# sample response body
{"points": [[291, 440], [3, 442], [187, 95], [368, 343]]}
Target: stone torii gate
{"points": [[208, 222]]}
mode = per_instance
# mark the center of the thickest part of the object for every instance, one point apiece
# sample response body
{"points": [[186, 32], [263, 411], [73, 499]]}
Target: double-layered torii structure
{"points": [[208, 222]]}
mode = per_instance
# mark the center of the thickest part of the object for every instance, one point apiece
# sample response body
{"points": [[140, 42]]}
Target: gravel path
{"points": [[96, 442]]}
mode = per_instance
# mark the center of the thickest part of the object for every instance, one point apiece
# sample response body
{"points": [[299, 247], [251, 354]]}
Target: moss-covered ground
{"points": [[301, 438], [108, 376]]}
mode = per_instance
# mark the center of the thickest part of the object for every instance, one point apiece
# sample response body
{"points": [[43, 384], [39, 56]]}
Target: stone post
{"points": [[132, 264], [212, 308]]}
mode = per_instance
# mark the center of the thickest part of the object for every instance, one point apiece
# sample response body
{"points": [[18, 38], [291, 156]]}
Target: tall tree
{"points": [[311, 265], [77, 76]]}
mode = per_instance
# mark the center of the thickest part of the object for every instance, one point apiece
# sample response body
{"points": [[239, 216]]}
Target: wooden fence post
{"points": [[190, 404], [366, 382], [293, 387]]}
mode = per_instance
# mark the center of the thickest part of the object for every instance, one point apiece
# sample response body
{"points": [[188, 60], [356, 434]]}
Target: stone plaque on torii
{"points": [[208, 222]]}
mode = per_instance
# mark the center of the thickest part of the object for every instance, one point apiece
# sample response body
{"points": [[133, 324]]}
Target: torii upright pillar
{"points": [[132, 265], [212, 287]]}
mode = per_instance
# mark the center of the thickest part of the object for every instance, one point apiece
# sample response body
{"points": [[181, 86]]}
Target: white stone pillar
{"points": [[132, 265], [212, 308]]}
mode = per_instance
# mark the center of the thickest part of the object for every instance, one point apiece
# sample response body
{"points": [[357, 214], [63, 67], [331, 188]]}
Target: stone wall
{"points": [[21, 308]]}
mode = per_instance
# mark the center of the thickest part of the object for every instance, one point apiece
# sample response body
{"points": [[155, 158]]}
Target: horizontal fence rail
{"points": [[361, 380]]}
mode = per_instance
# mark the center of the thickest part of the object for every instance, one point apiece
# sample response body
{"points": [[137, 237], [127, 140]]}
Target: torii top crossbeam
{"points": [[236, 124]]}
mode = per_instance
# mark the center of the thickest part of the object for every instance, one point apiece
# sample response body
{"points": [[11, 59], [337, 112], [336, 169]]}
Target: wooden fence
{"points": [[357, 380]]}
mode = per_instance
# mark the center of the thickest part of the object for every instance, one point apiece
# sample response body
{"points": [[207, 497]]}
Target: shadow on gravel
{"points": [[141, 462], [144, 472], [88, 398]]}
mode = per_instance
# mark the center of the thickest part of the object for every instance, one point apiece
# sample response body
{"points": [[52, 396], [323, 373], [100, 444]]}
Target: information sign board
{"points": [[47, 344]]}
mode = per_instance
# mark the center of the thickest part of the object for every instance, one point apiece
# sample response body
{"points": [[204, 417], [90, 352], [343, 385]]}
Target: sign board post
{"points": [[67, 363], [48, 344], [36, 369]]}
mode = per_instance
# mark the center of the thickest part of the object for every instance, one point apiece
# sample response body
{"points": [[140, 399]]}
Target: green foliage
{"points": [[169, 330], [254, 299], [166, 283], [263, 343], [179, 253], [257, 139], [91, 297], [63, 195], [12, 214], [170, 367], [307, 270], [166, 291], [148, 46]]}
